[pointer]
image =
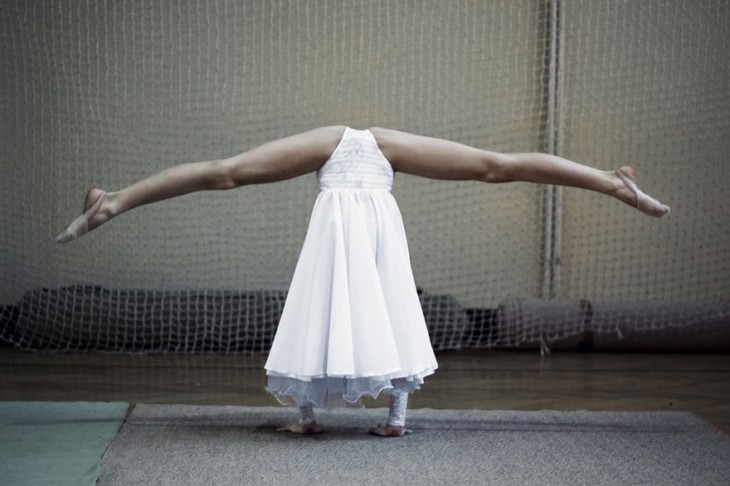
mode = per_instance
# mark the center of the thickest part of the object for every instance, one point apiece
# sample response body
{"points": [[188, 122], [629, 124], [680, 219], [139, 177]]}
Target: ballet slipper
{"points": [[644, 203], [80, 225], [389, 431]]}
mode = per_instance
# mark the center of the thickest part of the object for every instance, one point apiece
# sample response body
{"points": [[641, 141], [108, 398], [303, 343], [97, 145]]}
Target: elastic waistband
{"points": [[354, 189]]}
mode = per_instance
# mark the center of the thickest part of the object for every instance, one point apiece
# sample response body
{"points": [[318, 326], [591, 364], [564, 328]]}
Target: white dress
{"points": [[352, 322]]}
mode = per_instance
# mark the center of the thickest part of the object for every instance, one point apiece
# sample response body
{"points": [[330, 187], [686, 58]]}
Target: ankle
{"points": [[619, 190], [306, 415], [109, 208], [398, 406]]}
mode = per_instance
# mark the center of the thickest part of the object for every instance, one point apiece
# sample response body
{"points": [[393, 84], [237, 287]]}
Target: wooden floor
{"points": [[486, 380]]}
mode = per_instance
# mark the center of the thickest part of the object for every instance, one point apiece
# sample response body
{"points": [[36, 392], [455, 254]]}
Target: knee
{"points": [[222, 175], [497, 168]]}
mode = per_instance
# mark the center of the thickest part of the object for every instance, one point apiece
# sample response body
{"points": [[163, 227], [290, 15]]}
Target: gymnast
{"points": [[352, 325]]}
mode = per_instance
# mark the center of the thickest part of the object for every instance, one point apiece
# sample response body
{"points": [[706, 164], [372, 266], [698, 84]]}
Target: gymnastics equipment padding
{"points": [[614, 326]]}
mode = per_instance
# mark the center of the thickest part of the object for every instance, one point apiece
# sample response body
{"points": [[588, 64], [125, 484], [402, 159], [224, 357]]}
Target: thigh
{"points": [[284, 158], [435, 158]]}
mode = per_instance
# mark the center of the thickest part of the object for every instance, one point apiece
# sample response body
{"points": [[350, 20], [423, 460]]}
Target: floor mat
{"points": [[182, 444], [56, 443]]}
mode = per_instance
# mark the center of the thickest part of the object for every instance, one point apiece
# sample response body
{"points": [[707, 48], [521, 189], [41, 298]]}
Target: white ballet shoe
{"points": [[644, 203], [80, 225]]}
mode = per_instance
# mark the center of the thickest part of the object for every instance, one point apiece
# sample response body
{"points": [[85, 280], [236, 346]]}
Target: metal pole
{"points": [[552, 198]]}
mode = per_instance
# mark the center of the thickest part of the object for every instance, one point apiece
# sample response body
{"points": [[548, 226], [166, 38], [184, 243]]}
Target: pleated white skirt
{"points": [[352, 322]]}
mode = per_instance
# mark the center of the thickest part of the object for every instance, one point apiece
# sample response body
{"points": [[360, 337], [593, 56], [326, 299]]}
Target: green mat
{"points": [[56, 442]]}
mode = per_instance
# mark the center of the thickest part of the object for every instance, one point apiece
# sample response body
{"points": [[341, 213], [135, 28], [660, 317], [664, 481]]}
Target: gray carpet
{"points": [[179, 444]]}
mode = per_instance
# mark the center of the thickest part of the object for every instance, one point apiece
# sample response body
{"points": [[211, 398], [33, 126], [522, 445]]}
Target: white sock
{"points": [[306, 414], [398, 405]]}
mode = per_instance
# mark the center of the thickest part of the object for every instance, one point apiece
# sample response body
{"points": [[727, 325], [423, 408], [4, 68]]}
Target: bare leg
{"points": [[443, 159], [296, 155], [274, 161]]}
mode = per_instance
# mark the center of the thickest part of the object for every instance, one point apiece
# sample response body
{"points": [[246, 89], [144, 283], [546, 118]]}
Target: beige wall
{"points": [[646, 83], [106, 93]]}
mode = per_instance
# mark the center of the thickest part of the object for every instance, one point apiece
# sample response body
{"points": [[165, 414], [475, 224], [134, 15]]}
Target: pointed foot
{"points": [[83, 224], [643, 202]]}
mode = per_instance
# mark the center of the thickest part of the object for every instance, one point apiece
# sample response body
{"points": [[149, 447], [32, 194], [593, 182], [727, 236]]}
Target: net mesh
{"points": [[105, 93]]}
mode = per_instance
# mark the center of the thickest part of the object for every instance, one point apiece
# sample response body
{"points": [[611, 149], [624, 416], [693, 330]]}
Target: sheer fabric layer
{"points": [[338, 392]]}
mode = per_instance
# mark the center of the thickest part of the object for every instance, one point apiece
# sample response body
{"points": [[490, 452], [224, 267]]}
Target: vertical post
{"points": [[552, 196]]}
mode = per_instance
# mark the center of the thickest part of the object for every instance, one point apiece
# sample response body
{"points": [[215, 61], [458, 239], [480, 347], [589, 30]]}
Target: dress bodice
{"points": [[356, 163]]}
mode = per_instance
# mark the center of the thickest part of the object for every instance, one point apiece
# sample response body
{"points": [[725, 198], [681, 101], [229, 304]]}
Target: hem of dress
{"points": [[339, 391]]}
